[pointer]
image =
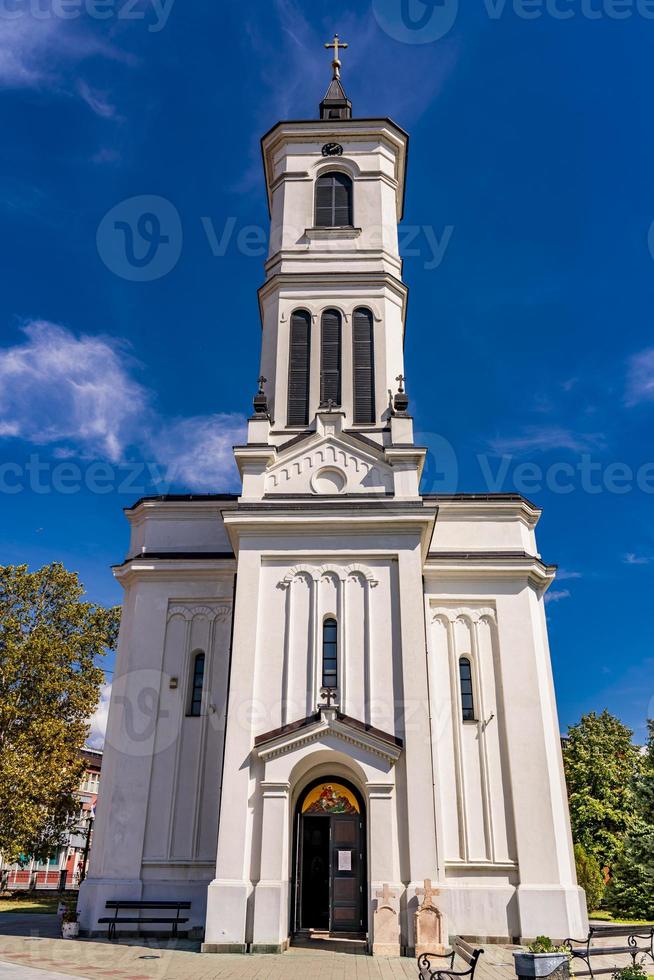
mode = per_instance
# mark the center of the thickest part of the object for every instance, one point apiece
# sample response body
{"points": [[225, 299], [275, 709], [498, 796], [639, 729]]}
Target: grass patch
{"points": [[30, 904], [604, 916]]}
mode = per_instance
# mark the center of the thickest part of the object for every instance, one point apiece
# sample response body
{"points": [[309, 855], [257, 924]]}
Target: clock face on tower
{"points": [[332, 150]]}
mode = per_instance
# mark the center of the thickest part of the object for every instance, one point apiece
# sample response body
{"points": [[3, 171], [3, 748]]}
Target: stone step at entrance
{"points": [[314, 940]]}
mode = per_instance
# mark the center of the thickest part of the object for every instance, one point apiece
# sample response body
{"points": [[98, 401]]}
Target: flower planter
{"points": [[70, 930], [534, 965]]}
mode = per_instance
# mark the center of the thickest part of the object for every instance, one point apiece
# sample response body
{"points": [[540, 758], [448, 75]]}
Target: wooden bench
{"points": [[428, 970], [639, 942], [132, 919]]}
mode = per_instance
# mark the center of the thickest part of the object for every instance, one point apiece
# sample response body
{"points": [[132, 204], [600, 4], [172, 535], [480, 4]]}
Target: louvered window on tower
{"points": [[330, 358], [334, 201], [299, 368], [363, 355]]}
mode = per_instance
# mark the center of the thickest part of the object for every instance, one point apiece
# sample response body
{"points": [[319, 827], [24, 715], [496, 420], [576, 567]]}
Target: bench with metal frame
{"points": [[464, 950], [129, 906], [640, 943]]}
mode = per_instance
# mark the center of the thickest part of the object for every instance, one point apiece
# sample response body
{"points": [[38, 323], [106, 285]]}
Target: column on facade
{"points": [[271, 898]]}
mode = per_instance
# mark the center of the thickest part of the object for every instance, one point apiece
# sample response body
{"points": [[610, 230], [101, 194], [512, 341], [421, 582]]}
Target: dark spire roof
{"points": [[336, 104]]}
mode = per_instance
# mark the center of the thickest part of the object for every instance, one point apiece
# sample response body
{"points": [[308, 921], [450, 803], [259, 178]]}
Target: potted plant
{"points": [[70, 923], [542, 959]]}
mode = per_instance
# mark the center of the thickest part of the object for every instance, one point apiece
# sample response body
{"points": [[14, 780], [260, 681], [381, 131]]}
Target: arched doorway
{"points": [[329, 873]]}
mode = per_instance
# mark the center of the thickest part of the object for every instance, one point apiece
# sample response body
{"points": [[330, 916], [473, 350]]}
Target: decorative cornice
{"points": [[492, 564]]}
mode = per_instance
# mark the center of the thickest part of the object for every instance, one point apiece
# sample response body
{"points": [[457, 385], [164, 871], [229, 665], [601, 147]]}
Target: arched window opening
{"points": [[363, 356], [299, 368], [467, 697], [330, 358], [334, 201], [330, 654], [197, 685]]}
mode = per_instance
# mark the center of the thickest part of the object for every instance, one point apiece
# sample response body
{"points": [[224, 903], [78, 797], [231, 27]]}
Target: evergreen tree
{"points": [[601, 763], [631, 892], [590, 877]]}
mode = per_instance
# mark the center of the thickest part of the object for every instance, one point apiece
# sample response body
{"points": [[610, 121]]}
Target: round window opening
{"points": [[329, 481]]}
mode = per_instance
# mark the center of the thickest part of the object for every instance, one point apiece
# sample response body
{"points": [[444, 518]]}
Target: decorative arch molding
{"points": [[318, 572], [469, 614], [189, 612], [343, 164], [316, 309]]}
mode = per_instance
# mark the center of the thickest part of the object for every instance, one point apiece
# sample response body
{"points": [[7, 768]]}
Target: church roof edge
{"points": [[182, 498]]}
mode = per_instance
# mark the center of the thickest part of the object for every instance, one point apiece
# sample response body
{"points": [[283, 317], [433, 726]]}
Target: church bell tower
{"points": [[333, 304]]}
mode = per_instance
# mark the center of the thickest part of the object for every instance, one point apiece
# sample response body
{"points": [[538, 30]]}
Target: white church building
{"points": [[331, 687]]}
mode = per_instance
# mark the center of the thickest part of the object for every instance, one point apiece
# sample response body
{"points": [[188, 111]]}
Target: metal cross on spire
{"points": [[337, 45]]}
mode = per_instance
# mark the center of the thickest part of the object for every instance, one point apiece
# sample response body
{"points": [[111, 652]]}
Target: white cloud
{"points": [[98, 719], [58, 388], [97, 101], [557, 596], [536, 438], [633, 559], [197, 452], [78, 395], [37, 51], [640, 378], [563, 574]]}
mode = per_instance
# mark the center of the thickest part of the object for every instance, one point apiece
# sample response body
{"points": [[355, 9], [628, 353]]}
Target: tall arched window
{"points": [[330, 654], [299, 368], [467, 697], [330, 358], [197, 684], [363, 356], [334, 201]]}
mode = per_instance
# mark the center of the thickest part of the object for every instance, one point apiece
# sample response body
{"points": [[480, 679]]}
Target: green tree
{"points": [[631, 892], [601, 763], [590, 877], [49, 686]]}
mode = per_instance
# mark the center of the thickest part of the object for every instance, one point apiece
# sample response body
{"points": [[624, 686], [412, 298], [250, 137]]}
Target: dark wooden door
{"points": [[347, 874]]}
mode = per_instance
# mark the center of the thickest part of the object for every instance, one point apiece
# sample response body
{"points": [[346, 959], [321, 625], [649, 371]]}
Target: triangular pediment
{"points": [[329, 724], [329, 462]]}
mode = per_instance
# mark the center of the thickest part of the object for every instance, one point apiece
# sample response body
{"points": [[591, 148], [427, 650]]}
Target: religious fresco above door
{"points": [[329, 799]]}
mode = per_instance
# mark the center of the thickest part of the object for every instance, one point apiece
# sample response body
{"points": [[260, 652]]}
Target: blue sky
{"points": [[528, 250]]}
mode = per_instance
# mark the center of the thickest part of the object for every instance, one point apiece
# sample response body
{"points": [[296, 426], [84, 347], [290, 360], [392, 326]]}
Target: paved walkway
{"points": [[31, 954], [30, 951]]}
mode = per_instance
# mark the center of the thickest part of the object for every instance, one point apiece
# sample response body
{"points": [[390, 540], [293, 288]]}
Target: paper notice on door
{"points": [[345, 860]]}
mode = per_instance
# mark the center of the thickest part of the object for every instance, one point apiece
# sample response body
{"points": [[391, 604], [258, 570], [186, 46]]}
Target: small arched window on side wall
{"points": [[334, 201], [298, 368], [197, 685], [467, 696], [363, 357], [330, 358], [330, 654]]}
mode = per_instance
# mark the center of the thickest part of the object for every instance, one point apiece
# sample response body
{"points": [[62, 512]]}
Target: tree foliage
{"points": [[631, 892], [601, 764], [49, 687], [590, 877]]}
